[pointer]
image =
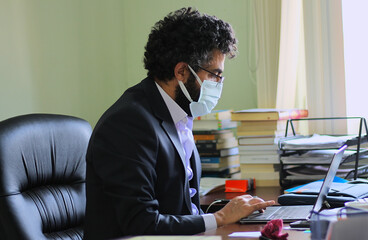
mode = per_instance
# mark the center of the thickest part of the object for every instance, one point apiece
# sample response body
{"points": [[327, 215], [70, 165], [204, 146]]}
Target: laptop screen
{"points": [[331, 173]]}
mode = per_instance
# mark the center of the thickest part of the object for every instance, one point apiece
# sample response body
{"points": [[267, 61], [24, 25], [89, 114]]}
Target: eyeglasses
{"points": [[214, 74]]}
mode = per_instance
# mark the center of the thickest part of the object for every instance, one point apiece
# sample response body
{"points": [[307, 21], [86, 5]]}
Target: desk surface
{"points": [[267, 193]]}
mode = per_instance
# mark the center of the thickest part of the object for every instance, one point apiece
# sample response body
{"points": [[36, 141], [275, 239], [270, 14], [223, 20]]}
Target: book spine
{"points": [[220, 153], [293, 114], [254, 117], [210, 116], [259, 159], [272, 115], [206, 141], [198, 137], [210, 154], [213, 166], [210, 159], [206, 147], [204, 132], [258, 147]]}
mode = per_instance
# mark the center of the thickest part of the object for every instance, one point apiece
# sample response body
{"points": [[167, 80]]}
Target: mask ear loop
{"points": [[195, 75], [185, 91]]}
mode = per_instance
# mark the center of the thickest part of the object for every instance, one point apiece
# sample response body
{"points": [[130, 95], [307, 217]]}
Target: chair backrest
{"points": [[42, 176]]}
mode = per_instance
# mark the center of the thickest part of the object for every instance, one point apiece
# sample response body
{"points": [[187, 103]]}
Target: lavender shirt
{"points": [[184, 126]]}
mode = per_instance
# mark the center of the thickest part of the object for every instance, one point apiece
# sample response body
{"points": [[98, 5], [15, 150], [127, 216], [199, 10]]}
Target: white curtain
{"points": [[264, 45], [310, 63], [325, 63], [290, 42], [277, 47]]}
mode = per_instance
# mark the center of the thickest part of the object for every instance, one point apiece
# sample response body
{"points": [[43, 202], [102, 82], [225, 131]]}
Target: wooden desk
{"points": [[267, 193]]}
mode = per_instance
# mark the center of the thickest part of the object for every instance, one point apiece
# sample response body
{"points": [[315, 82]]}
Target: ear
{"points": [[181, 71]]}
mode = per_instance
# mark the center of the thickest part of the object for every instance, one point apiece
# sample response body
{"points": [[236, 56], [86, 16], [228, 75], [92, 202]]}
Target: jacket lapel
{"points": [[173, 135], [160, 110]]}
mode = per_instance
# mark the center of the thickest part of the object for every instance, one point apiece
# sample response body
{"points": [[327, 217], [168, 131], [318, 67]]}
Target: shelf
{"points": [[320, 157], [316, 142], [302, 145]]}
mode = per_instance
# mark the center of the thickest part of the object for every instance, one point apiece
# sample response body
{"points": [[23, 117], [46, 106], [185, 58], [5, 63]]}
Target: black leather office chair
{"points": [[42, 176]]}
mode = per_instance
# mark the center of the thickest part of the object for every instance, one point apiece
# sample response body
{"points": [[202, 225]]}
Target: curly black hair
{"points": [[186, 36]]}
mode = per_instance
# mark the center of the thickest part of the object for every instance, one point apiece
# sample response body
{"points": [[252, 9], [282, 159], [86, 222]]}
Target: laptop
{"points": [[300, 212]]}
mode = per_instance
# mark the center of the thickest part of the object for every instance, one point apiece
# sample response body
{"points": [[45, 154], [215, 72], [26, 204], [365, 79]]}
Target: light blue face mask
{"points": [[208, 98]]}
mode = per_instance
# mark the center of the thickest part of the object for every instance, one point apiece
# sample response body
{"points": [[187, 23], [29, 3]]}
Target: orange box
{"points": [[236, 186]]}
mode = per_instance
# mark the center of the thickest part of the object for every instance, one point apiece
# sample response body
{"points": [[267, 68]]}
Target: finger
{"points": [[246, 196], [263, 205], [256, 200], [268, 202], [255, 197]]}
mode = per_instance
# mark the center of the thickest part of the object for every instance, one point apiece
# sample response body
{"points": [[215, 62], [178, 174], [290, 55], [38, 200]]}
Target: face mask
{"points": [[208, 98]]}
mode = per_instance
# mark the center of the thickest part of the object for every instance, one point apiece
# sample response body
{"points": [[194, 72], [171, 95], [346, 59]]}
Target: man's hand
{"points": [[240, 207]]}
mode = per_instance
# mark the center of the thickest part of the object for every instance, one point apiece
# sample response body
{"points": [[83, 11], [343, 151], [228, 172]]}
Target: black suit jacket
{"points": [[136, 180]]}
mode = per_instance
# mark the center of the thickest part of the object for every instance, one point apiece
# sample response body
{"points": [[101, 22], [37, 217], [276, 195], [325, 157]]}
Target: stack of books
{"points": [[258, 133], [217, 144], [264, 174], [216, 120]]}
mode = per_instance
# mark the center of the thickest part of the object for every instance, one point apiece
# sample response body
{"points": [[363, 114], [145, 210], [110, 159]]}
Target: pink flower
{"points": [[273, 229]]}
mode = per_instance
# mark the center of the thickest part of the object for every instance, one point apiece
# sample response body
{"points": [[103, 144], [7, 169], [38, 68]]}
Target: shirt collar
{"points": [[176, 112]]}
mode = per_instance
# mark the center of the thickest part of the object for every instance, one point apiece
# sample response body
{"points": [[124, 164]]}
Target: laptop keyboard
{"points": [[283, 212], [289, 212]]}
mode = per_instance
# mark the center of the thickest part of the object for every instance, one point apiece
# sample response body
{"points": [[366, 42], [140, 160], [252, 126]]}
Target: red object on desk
{"points": [[236, 186], [273, 230]]}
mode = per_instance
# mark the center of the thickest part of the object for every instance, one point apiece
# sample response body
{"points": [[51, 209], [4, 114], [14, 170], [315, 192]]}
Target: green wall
{"points": [[77, 57]]}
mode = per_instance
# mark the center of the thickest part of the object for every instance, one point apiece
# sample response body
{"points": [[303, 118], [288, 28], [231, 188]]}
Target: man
{"points": [[143, 168]]}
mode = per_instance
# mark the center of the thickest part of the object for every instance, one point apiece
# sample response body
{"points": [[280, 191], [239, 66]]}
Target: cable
{"points": [[216, 201]]}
